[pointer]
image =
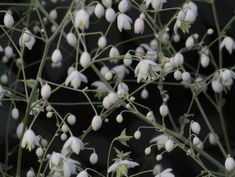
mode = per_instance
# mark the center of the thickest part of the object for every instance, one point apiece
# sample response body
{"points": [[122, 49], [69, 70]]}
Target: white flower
{"points": [[8, 20], [114, 54], [228, 43], [229, 163], [46, 91], [157, 4], [189, 43], [56, 56], [146, 70], [110, 15], [102, 42], [101, 87], [93, 158], [31, 173], [120, 71], [82, 19], [166, 173], [71, 39], [139, 26], [28, 140], [82, 174], [75, 79], [99, 11], [123, 6], [110, 99], [72, 145], [15, 113], [160, 140], [27, 39], [123, 89], [123, 22], [96, 123], [107, 3], [118, 163], [85, 59]]}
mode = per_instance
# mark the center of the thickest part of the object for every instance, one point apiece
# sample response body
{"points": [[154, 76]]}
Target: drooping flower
{"points": [[82, 19], [166, 173], [228, 43], [160, 140], [139, 25], [27, 39], [120, 71], [156, 4], [123, 22], [75, 78], [28, 140], [121, 167], [72, 145], [146, 70], [101, 87]]}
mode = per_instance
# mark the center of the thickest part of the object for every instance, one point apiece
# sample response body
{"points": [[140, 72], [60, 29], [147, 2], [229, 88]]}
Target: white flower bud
{"points": [[102, 42], [39, 152], [110, 15], [196, 140], [178, 75], [147, 150], [19, 130], [53, 14], [150, 116], [85, 59], [46, 91], [108, 76], [93, 158], [119, 118], [190, 16], [144, 94], [195, 127], [30, 173], [123, 6], [104, 70], [186, 76], [99, 11], [82, 174], [229, 163], [96, 123], [8, 51], [107, 3], [139, 26], [56, 56], [163, 110], [15, 113], [217, 86], [71, 119], [169, 145], [210, 31], [8, 20], [159, 157], [49, 114], [204, 60], [137, 134], [63, 137], [189, 42], [65, 128], [226, 75], [71, 39], [4, 79], [213, 138], [176, 37], [127, 59], [178, 59]]}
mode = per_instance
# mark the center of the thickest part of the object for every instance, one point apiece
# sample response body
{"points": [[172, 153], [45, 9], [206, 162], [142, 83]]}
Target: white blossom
{"points": [[166, 173], [146, 70], [228, 43], [123, 6], [75, 79], [101, 87], [139, 26], [160, 140], [126, 163], [72, 145], [120, 71], [82, 19], [123, 22], [28, 140]]}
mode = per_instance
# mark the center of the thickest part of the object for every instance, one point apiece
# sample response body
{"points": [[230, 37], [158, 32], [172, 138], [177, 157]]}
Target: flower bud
{"points": [[96, 123], [127, 59], [53, 14], [189, 42], [169, 145], [8, 51], [177, 75], [139, 26], [123, 6], [163, 110], [196, 140], [15, 113], [71, 119], [147, 150], [39, 152], [56, 56], [71, 39], [46, 91], [144, 94], [8, 20], [82, 174], [110, 15], [119, 118], [229, 163], [217, 86], [178, 59], [85, 59], [137, 134], [93, 158], [204, 60], [186, 76], [102, 42], [195, 127], [159, 157], [99, 11]]}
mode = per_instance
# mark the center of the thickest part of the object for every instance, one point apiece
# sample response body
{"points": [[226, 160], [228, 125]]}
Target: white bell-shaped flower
{"points": [[28, 140], [82, 19], [228, 43], [139, 26], [75, 78], [123, 22], [72, 145], [166, 173]]}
